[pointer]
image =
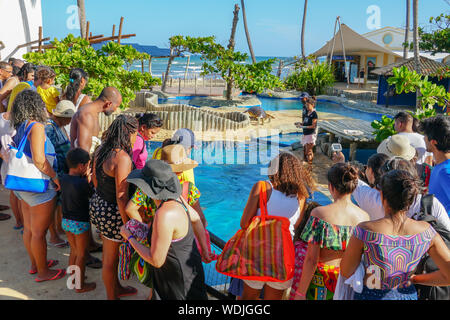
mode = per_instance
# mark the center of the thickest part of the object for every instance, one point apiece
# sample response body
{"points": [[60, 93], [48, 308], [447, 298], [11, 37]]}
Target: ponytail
{"points": [[75, 77]]}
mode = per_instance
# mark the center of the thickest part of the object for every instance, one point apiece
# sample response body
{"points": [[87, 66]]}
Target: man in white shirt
{"points": [[404, 126]]}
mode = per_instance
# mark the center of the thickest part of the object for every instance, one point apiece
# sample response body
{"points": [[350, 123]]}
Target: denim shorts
{"points": [[34, 198]]}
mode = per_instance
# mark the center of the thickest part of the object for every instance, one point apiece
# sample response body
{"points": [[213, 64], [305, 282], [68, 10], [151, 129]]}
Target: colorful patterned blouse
{"points": [[141, 199], [325, 234], [396, 256]]}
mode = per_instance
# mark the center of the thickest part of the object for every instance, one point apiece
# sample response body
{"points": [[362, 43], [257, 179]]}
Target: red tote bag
{"points": [[264, 251]]}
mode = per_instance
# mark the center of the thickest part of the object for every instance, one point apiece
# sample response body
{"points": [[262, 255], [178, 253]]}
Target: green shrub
{"points": [[313, 77]]}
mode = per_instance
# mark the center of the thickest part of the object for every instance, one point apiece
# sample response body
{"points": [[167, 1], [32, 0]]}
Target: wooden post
{"points": [[114, 30], [195, 84], [120, 30], [179, 85], [142, 65], [87, 30], [40, 40]]}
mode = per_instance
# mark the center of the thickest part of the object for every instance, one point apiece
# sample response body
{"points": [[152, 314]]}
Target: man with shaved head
{"points": [[85, 125], [84, 131]]}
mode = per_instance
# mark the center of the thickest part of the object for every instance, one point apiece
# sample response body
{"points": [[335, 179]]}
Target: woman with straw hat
{"points": [[177, 265], [176, 157]]}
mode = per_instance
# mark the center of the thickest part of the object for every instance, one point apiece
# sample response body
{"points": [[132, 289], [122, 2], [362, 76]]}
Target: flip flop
{"points": [[4, 216], [18, 228], [3, 208], [62, 244], [131, 292], [61, 273], [94, 263], [50, 263]]}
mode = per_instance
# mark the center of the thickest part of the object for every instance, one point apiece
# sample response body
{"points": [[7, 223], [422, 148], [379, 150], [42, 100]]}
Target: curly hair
{"points": [[28, 105], [117, 136], [45, 73], [290, 176], [150, 120], [25, 70], [343, 177]]}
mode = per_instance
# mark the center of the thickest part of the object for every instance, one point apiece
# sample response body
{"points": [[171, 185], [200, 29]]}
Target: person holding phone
{"points": [[309, 127]]}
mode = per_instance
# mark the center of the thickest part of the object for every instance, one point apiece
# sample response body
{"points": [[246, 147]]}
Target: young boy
{"points": [[75, 194]]}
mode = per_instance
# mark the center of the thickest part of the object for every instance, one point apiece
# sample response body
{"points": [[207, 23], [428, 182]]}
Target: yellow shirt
{"points": [[187, 175], [49, 96]]}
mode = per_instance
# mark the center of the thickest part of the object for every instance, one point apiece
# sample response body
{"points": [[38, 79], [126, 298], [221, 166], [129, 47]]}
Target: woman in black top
{"points": [[177, 264], [309, 130], [112, 164]]}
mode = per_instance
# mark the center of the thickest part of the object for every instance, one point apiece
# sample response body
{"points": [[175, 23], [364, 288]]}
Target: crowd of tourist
{"points": [[148, 212]]}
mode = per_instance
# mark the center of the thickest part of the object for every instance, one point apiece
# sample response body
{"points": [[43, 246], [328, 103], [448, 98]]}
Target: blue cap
{"points": [[304, 95], [185, 137]]}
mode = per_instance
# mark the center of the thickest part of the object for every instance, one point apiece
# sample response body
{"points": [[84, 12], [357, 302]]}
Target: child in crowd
{"points": [[75, 194], [48, 93], [149, 126], [300, 247]]}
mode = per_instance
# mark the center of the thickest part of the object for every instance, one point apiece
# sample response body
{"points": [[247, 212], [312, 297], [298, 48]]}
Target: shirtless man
{"points": [[85, 125], [84, 130]]}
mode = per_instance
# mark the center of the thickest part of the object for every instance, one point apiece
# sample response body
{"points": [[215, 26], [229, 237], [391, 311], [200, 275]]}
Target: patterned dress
{"points": [[394, 259], [327, 236]]}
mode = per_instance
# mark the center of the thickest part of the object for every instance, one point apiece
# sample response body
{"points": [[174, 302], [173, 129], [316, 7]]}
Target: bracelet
{"points": [[130, 237], [300, 294]]}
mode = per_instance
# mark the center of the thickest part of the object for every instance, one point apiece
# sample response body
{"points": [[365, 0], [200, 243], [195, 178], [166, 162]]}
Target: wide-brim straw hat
{"points": [[157, 180], [175, 155], [397, 146]]}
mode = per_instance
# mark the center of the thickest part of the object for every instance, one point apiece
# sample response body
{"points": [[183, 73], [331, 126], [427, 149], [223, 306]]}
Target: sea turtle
{"points": [[257, 113]]}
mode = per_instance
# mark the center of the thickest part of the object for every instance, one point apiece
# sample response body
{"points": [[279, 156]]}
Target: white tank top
{"points": [[80, 98], [283, 206]]}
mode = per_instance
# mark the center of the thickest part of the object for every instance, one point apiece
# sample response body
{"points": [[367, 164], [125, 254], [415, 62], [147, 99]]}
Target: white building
{"points": [[19, 24]]}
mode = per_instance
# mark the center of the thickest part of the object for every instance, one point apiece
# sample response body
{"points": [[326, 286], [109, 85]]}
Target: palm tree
{"points": [[303, 28], [247, 34], [82, 15], [406, 45], [416, 44]]}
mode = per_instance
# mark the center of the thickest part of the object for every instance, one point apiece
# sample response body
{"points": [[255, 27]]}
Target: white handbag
{"points": [[21, 174]]}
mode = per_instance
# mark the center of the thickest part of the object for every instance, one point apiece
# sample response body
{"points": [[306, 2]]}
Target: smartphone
{"points": [[336, 147]]}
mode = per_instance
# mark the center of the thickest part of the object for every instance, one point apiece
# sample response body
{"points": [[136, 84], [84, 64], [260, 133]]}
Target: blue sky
{"points": [[274, 25]]}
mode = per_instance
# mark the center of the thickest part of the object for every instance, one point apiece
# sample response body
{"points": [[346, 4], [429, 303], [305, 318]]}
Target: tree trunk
{"points": [[406, 48], [247, 34], [416, 44], [303, 28], [231, 45], [166, 76], [82, 15]]}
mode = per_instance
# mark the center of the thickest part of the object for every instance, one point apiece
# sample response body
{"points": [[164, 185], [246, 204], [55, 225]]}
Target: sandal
{"points": [[18, 227], [62, 244], [50, 263], [3, 208], [93, 262], [129, 291], [4, 216], [61, 273]]}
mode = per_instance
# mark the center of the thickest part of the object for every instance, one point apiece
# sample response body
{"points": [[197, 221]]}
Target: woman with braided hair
{"points": [[112, 164], [77, 82]]}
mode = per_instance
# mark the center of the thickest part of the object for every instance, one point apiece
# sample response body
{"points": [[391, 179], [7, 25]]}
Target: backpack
{"points": [[426, 264]]}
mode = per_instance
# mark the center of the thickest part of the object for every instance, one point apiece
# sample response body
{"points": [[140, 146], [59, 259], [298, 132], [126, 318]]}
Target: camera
{"points": [[336, 147]]}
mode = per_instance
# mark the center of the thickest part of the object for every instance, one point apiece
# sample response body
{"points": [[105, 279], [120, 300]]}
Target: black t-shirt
{"points": [[308, 121], [75, 194]]}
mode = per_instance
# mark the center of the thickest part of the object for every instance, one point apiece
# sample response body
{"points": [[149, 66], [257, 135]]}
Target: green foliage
{"points": [[383, 128], [438, 40], [105, 67], [406, 81], [253, 78], [313, 77]]}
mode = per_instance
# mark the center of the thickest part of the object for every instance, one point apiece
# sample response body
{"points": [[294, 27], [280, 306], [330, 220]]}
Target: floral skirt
{"points": [[106, 218]]}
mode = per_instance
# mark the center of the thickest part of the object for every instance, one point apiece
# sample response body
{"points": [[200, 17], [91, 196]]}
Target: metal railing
{"points": [[217, 284]]}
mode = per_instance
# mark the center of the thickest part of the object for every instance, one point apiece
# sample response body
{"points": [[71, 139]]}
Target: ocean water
{"points": [[195, 67]]}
